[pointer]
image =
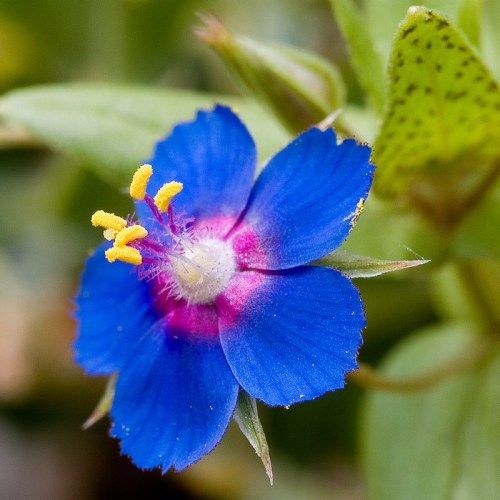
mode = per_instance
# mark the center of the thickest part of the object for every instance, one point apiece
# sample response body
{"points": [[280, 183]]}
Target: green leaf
{"points": [[468, 290], [469, 19], [300, 87], [366, 60], [358, 122], [247, 418], [440, 443], [383, 18], [358, 266], [477, 237], [113, 128], [490, 39], [104, 405], [443, 119]]}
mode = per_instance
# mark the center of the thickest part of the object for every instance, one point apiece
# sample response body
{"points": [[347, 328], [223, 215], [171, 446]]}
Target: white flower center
{"points": [[202, 269]]}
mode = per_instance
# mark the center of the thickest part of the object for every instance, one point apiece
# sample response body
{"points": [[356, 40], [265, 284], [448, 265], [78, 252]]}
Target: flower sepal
{"points": [[104, 404], [247, 418], [359, 266], [299, 87]]}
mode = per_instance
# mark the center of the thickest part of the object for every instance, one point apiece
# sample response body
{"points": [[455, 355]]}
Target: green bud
{"points": [[299, 87]]}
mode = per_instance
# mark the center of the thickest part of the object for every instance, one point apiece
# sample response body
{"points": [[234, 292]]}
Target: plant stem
{"points": [[368, 377]]}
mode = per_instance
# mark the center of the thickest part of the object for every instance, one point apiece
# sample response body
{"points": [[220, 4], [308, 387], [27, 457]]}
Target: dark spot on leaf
{"points": [[407, 31], [480, 102], [410, 136], [419, 60], [479, 78], [465, 63], [400, 63], [459, 74], [455, 96], [417, 123], [397, 78], [441, 24], [432, 112], [414, 42], [428, 45], [389, 135], [462, 48], [438, 67], [411, 88], [427, 90], [492, 87], [401, 119], [450, 45], [445, 38], [429, 16]]}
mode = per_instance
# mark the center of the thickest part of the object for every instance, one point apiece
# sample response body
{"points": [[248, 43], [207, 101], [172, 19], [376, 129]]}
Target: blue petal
{"points": [[113, 310], [215, 158], [174, 399], [296, 336], [305, 201]]}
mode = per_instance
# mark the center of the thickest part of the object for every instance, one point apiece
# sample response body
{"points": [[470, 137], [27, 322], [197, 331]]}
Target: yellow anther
{"points": [[108, 221], [130, 233], [125, 254], [166, 193], [140, 181]]}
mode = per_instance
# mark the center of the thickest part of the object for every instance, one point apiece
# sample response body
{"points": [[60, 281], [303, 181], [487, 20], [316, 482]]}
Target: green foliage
{"points": [[299, 87], [113, 127], [384, 16], [366, 59], [490, 35], [438, 443], [477, 237], [469, 20], [443, 117]]}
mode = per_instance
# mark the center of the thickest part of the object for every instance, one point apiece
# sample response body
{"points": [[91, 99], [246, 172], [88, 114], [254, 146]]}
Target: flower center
{"points": [[201, 270], [184, 263]]}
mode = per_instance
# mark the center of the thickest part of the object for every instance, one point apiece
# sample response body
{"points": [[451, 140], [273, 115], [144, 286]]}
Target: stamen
{"points": [[171, 221], [151, 204], [140, 181], [130, 233], [108, 221], [166, 193], [125, 254]]}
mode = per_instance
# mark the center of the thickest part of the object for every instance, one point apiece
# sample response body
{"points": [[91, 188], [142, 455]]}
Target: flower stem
{"points": [[370, 378], [479, 296]]}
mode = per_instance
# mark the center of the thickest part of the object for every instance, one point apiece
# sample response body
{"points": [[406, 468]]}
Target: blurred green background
{"points": [[46, 200]]}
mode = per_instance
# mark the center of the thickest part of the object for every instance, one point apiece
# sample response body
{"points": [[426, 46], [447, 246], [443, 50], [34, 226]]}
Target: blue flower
{"points": [[219, 297]]}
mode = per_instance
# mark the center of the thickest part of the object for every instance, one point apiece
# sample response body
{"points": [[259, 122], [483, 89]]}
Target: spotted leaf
{"points": [[443, 117]]}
